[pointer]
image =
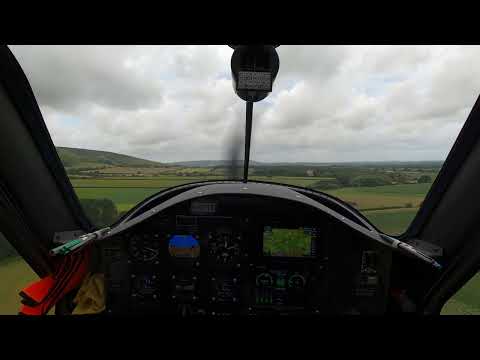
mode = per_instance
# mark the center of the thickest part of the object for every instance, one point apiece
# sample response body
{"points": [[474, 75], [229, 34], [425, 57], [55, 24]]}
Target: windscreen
{"points": [[370, 125]]}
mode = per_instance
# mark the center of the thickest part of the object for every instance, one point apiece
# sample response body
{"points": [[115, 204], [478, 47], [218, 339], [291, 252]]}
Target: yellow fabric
{"points": [[90, 298]]}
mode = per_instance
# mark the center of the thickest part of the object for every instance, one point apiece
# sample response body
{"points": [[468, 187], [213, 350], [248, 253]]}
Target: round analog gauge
{"points": [[144, 248], [264, 280], [223, 247], [145, 285], [296, 281]]}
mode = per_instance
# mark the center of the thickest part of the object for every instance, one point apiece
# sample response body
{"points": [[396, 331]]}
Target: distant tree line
{"points": [[424, 179], [358, 177], [101, 212]]}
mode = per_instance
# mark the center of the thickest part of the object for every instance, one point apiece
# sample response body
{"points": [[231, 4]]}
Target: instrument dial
{"points": [[296, 281], [224, 247], [264, 280], [145, 285], [144, 248]]}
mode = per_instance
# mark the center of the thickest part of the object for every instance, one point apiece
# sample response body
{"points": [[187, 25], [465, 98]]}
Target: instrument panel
{"points": [[224, 256]]}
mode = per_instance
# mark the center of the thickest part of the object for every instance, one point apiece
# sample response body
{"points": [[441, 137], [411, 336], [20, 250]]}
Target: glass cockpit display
{"points": [[287, 242]]}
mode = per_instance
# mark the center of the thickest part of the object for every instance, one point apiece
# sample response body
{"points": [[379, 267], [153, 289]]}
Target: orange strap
{"points": [[70, 270]]}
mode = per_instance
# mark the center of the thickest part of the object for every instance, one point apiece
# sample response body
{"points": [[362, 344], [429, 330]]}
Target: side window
{"points": [[15, 274], [466, 301]]}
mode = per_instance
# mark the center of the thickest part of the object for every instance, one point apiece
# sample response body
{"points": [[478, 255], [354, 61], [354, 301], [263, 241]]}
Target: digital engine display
{"points": [[287, 242]]}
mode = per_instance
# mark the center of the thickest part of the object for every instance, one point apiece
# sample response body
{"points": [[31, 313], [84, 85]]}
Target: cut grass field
{"points": [[466, 301], [392, 221], [15, 274], [138, 182], [383, 196], [173, 180], [124, 198]]}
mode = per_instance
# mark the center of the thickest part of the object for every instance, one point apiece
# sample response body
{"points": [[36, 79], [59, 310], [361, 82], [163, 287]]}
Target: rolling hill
{"points": [[214, 163], [78, 158], [84, 158]]}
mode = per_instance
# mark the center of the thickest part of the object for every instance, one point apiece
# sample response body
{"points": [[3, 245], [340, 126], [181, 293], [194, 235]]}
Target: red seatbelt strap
{"points": [[39, 297]]}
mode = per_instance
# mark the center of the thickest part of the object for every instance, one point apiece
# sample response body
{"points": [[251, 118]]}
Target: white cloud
{"points": [[330, 103]]}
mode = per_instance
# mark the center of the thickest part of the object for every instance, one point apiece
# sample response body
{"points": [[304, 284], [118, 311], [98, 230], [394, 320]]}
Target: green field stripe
{"points": [[122, 187], [387, 208], [16, 275], [455, 307], [393, 222], [142, 178]]}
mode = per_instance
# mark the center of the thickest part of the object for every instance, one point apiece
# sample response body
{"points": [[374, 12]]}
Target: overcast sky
{"points": [[329, 103]]}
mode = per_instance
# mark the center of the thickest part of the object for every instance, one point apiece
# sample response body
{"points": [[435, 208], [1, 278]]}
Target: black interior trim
{"points": [[330, 201], [21, 95], [18, 233], [460, 271], [461, 149]]}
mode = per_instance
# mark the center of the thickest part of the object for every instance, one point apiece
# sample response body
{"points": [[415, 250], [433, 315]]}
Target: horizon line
{"points": [[257, 161]]}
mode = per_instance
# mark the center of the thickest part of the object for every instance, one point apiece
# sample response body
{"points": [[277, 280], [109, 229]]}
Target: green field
{"points": [[393, 221], [383, 196], [291, 180], [124, 198], [15, 275], [466, 301], [173, 180], [163, 181]]}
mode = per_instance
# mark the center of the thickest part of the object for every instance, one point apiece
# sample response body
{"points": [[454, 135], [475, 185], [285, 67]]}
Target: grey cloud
{"points": [[330, 103], [67, 77]]}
